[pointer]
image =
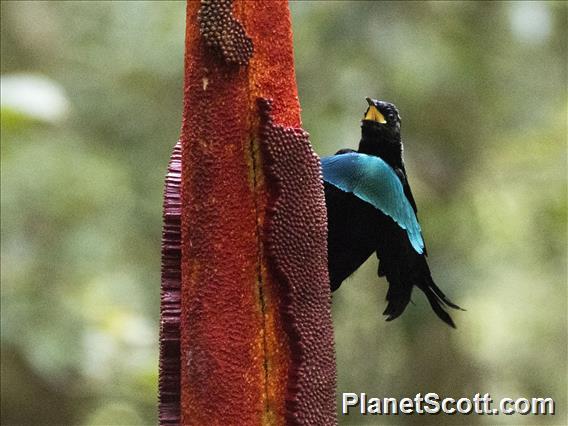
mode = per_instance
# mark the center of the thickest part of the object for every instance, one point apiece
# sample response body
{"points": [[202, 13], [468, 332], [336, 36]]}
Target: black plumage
{"points": [[357, 229]]}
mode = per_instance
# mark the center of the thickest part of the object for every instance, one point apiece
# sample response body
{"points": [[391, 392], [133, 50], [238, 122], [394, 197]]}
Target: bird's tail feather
{"points": [[442, 296], [398, 297], [438, 300]]}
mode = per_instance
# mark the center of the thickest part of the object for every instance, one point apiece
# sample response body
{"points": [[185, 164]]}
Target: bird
{"points": [[371, 209]]}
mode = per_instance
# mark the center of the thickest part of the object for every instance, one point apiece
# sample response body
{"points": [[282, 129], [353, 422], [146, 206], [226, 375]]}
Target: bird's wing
{"points": [[374, 181], [401, 172]]}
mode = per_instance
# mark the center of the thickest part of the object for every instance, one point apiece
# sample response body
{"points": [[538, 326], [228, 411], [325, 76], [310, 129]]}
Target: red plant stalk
{"points": [[246, 332]]}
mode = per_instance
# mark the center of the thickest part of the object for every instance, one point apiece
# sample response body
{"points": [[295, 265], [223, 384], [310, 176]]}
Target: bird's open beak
{"points": [[373, 114]]}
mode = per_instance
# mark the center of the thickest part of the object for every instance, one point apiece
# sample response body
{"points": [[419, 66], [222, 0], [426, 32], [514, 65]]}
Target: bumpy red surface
{"points": [[223, 32], [296, 238], [244, 358], [222, 357], [170, 307]]}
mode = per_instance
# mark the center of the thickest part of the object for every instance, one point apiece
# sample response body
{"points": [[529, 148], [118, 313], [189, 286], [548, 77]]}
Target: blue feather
{"points": [[372, 180]]}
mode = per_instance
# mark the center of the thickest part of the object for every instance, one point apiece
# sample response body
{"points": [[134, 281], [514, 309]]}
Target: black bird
{"points": [[370, 208]]}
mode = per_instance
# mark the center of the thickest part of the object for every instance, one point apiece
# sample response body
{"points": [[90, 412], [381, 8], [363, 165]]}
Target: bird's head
{"points": [[381, 118]]}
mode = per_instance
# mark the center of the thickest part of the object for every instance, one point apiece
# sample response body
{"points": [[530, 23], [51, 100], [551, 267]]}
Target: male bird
{"points": [[370, 208]]}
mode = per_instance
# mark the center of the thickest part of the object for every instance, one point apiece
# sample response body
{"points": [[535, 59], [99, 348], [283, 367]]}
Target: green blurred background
{"points": [[91, 107]]}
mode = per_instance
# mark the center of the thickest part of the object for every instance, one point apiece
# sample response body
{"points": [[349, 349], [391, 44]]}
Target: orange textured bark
{"points": [[240, 350]]}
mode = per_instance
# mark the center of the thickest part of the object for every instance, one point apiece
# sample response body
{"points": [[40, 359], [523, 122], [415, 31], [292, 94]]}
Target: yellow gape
{"points": [[374, 114]]}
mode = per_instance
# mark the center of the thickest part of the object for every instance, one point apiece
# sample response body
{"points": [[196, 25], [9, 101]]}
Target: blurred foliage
{"points": [[482, 92]]}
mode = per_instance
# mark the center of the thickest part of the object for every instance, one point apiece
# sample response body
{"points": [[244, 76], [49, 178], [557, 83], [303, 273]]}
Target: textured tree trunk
{"points": [[246, 332]]}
